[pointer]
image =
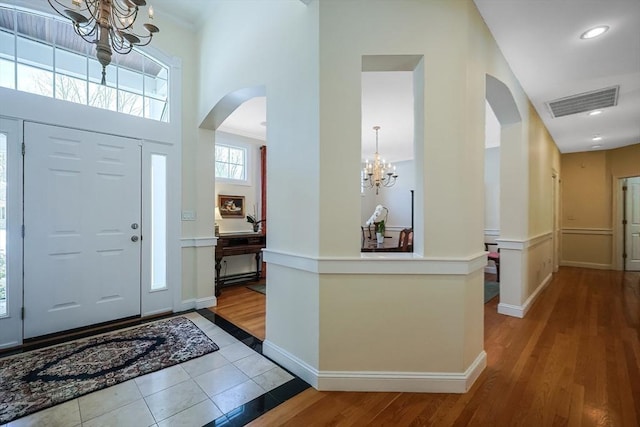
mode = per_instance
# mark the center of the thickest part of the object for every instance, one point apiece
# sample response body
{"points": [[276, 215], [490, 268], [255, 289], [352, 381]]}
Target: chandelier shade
{"points": [[378, 173], [108, 24]]}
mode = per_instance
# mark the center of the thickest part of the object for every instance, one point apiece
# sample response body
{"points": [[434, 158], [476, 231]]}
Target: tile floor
{"points": [[228, 387]]}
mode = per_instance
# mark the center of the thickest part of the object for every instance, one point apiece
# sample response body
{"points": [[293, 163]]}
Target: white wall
{"points": [[492, 192], [274, 45]]}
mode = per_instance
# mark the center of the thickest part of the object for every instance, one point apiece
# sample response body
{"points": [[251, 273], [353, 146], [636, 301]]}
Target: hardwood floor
{"points": [[574, 360], [244, 308]]}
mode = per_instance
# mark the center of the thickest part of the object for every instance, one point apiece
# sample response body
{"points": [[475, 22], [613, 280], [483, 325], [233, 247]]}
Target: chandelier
{"points": [[108, 24], [378, 174]]}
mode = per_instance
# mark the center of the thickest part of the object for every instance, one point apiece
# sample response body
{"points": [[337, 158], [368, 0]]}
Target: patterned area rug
{"points": [[39, 379], [259, 288]]}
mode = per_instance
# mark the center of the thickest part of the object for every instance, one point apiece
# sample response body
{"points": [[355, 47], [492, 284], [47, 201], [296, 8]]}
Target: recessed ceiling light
{"points": [[595, 112], [594, 32], [596, 146], [596, 138]]}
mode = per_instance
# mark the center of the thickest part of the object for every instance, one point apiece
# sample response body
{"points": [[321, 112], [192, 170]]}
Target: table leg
{"points": [[217, 284], [258, 265]]}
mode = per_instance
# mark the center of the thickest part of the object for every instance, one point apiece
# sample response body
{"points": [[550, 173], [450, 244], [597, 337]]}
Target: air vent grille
{"points": [[583, 102]]}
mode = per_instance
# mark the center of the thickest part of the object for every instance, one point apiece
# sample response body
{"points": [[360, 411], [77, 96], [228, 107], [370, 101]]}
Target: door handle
{"points": [[134, 238]]}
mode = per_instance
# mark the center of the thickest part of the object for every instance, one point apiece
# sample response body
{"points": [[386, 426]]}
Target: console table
{"points": [[238, 244]]}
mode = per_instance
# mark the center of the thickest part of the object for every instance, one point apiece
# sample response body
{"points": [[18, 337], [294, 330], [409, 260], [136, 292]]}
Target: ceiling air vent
{"points": [[587, 101]]}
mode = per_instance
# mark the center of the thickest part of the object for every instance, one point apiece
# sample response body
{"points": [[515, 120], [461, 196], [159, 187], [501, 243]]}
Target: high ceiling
{"points": [[541, 42]]}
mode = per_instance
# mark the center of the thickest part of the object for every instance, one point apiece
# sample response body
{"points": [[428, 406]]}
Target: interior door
{"points": [[633, 224], [82, 210]]}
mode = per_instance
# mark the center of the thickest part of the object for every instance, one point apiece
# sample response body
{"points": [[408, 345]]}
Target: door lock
{"points": [[134, 226], [134, 238]]}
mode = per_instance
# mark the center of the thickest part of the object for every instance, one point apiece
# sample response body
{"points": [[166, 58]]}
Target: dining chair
{"points": [[495, 257], [405, 240]]}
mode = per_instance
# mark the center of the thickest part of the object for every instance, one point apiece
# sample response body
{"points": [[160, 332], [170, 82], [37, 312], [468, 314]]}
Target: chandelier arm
{"points": [[124, 8], [88, 36], [93, 7], [60, 7], [119, 44], [149, 37], [118, 15], [122, 50]]}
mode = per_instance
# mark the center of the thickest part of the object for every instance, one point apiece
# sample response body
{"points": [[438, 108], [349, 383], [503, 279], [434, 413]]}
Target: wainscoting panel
{"points": [[587, 247]]}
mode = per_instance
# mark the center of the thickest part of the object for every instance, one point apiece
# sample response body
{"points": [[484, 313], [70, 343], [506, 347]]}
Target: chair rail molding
{"points": [[492, 232], [378, 263], [517, 244], [596, 231], [198, 242]]}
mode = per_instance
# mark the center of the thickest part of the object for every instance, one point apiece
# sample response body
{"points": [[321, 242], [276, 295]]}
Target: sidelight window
{"points": [[158, 221], [3, 225]]}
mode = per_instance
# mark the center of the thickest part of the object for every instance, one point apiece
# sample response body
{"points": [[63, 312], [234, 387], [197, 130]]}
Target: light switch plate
{"points": [[188, 216]]}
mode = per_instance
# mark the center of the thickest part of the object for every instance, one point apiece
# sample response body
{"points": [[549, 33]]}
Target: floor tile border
{"points": [[260, 405]]}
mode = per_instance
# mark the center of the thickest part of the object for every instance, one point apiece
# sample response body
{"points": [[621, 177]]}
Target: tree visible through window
{"points": [[231, 162]]}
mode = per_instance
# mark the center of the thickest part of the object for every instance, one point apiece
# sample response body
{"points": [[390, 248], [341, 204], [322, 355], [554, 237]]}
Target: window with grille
{"points": [[41, 54], [231, 162]]}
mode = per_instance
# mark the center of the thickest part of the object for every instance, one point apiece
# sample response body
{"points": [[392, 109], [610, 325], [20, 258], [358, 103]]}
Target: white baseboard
{"points": [[586, 265], [206, 302], [199, 303], [298, 366], [413, 382], [521, 310], [186, 304]]}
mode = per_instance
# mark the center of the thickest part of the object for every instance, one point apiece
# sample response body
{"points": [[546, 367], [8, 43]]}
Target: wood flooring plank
{"points": [[574, 360], [244, 308]]}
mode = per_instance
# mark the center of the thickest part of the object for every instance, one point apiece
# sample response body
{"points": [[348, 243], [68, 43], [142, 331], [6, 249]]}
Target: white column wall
{"points": [[274, 44], [449, 164], [323, 295]]}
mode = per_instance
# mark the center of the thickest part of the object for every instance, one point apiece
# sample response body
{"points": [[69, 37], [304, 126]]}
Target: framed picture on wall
{"points": [[231, 206]]}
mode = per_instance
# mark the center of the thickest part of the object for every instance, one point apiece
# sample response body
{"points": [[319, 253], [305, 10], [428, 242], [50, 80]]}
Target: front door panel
{"points": [[81, 195]]}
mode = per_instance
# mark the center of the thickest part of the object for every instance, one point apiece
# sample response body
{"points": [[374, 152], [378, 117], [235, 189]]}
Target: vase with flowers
{"points": [[380, 229]]}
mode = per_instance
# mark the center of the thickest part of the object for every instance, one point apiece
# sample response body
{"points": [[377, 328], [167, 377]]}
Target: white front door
{"points": [[82, 211], [633, 225]]}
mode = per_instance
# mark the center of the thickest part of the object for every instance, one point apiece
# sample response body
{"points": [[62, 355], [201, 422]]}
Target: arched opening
{"points": [[239, 123], [500, 119]]}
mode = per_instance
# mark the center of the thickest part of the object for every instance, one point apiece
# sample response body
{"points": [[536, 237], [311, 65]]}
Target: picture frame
{"points": [[231, 206]]}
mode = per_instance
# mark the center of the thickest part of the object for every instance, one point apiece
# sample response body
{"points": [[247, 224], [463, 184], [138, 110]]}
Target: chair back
{"points": [[405, 240], [492, 253]]}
